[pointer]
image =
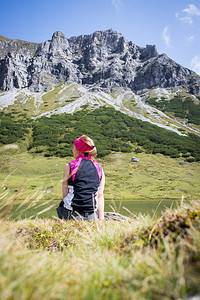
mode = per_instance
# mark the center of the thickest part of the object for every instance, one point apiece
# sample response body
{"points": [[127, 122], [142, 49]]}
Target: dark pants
{"points": [[67, 214], [84, 216], [63, 213]]}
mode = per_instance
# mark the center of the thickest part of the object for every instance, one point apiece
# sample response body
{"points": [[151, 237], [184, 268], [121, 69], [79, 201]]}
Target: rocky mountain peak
{"points": [[59, 41], [102, 60], [58, 35], [149, 52]]}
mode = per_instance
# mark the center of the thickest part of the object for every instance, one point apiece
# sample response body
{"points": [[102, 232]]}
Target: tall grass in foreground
{"points": [[146, 258]]}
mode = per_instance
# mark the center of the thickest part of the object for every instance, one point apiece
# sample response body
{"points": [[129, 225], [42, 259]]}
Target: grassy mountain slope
{"points": [[70, 98], [111, 129]]}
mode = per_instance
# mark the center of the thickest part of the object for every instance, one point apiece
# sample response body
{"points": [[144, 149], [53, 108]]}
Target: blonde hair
{"points": [[90, 142]]}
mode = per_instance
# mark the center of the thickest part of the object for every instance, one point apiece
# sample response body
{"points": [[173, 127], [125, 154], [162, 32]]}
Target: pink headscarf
{"points": [[82, 146]]}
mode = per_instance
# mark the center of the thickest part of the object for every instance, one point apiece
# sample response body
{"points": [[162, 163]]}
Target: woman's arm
{"points": [[65, 180], [100, 198]]}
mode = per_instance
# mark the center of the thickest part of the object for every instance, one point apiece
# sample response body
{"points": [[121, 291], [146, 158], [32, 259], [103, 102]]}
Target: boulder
{"points": [[116, 217], [134, 159]]}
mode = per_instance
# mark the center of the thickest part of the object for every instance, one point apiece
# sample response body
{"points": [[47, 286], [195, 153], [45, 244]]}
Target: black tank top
{"points": [[85, 184]]}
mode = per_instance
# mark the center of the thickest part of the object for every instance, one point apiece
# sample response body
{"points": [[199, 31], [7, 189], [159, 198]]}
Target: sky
{"points": [[172, 25]]}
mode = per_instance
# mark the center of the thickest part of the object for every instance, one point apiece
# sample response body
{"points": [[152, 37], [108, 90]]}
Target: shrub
{"points": [[110, 129], [191, 159]]}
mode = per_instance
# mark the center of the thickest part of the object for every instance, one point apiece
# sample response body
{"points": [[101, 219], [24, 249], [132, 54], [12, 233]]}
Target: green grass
{"points": [[112, 131], [153, 177], [36, 104], [183, 108], [25, 101], [152, 183], [146, 259], [154, 256], [56, 97]]}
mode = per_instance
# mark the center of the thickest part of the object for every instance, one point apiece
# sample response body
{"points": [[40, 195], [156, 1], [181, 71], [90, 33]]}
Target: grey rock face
{"points": [[14, 61], [162, 72], [104, 59]]}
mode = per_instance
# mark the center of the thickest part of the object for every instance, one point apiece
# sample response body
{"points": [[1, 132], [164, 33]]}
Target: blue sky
{"points": [[172, 25]]}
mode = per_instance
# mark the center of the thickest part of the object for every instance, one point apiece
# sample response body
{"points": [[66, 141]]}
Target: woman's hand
{"points": [[100, 198], [65, 189]]}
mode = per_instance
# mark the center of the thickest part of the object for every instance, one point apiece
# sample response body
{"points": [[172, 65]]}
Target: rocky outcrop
{"points": [[102, 60], [15, 58], [116, 217], [162, 72]]}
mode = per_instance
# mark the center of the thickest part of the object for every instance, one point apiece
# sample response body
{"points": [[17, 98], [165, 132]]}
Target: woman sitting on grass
{"points": [[83, 184]]}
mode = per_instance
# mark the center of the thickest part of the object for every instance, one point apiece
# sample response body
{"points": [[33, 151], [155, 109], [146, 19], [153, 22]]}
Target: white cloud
{"points": [[188, 14], [177, 15], [166, 36], [190, 38], [192, 10], [195, 64], [117, 4], [187, 20]]}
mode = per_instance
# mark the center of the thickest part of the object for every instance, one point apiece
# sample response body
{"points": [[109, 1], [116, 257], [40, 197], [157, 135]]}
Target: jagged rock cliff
{"points": [[104, 59]]}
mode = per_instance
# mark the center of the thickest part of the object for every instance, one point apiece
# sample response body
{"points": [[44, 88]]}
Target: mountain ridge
{"points": [[102, 60]]}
